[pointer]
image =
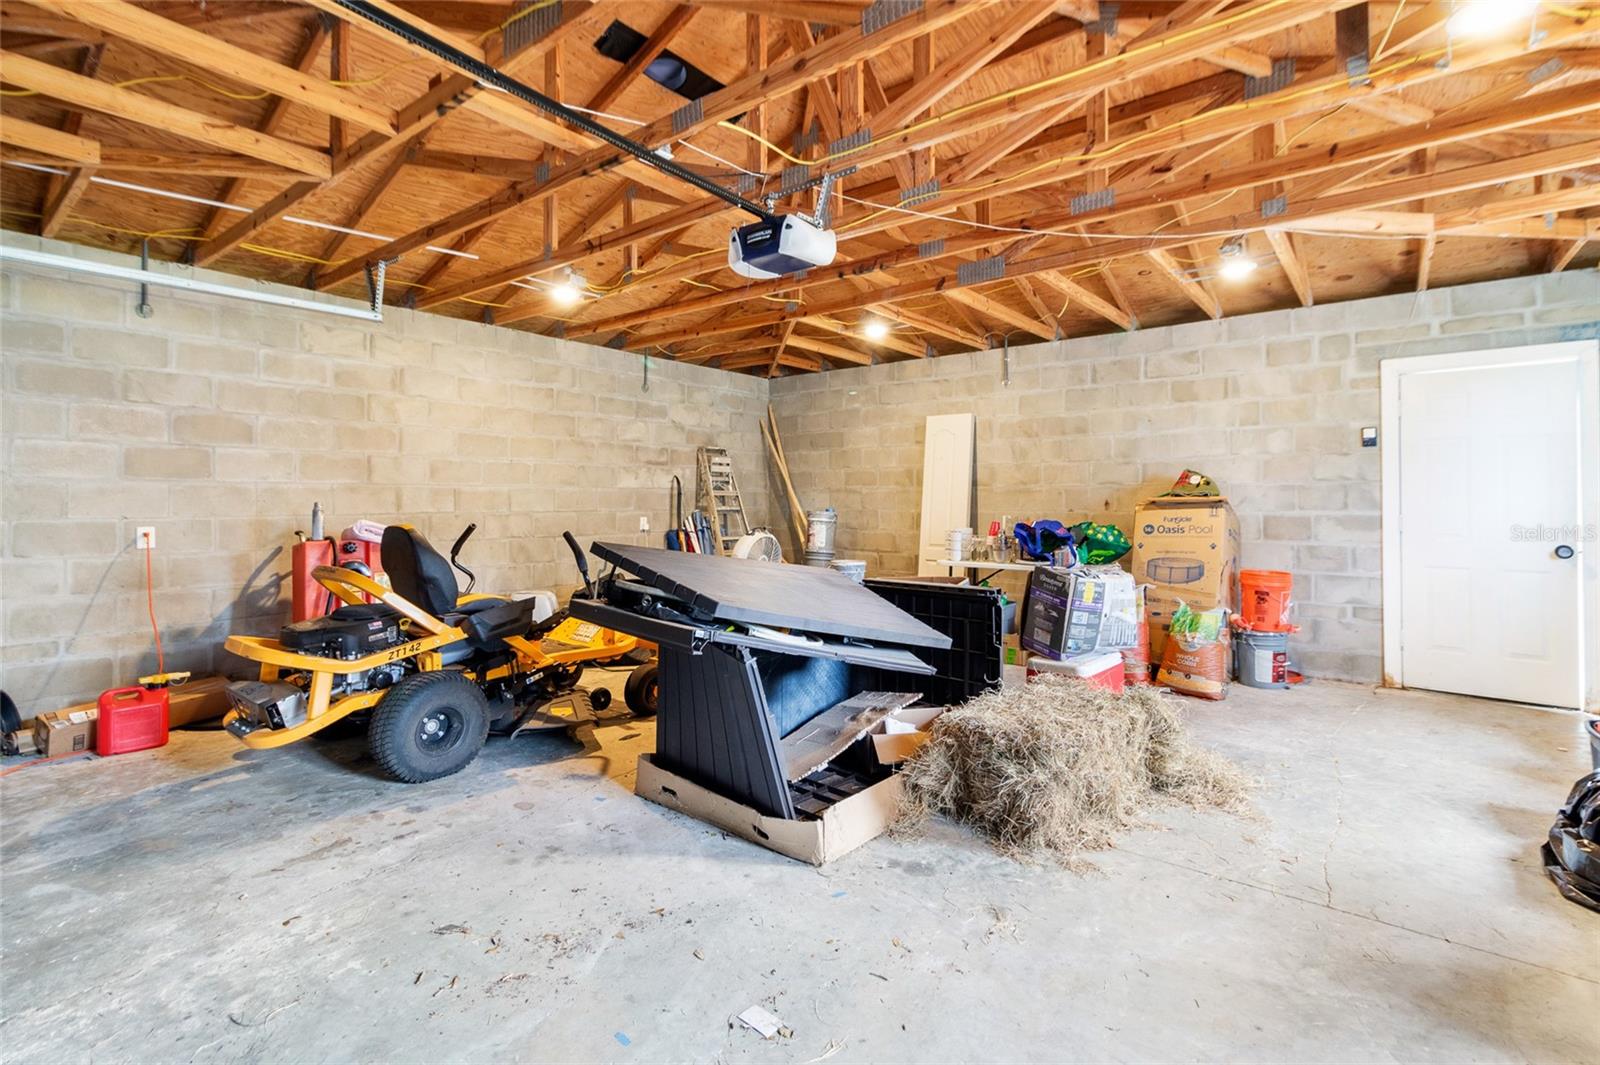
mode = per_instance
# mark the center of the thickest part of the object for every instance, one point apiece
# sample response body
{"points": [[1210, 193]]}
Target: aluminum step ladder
{"points": [[717, 495]]}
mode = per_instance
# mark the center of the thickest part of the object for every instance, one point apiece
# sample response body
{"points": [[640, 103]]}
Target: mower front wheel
{"points": [[428, 726], [642, 692]]}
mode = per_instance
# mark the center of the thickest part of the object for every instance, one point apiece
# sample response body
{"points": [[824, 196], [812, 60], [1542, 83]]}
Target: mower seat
{"points": [[418, 572], [486, 629]]}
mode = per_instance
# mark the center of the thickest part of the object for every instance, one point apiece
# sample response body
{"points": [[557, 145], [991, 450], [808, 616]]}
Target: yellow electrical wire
{"points": [[156, 79], [1384, 43], [1154, 46]]}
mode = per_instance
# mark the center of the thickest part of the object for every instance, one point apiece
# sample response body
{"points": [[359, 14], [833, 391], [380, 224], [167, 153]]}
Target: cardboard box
{"points": [[1070, 612], [842, 828], [69, 731], [1186, 549], [1011, 652], [899, 736], [198, 699]]}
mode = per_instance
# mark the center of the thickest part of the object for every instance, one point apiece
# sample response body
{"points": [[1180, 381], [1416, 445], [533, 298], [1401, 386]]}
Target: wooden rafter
{"points": [[678, 18], [158, 34], [412, 120], [1187, 282], [1293, 164], [63, 191], [830, 350], [360, 215], [1381, 194], [990, 307], [893, 342], [791, 74], [79, 91], [277, 111], [1047, 317], [53, 143], [1072, 290]]}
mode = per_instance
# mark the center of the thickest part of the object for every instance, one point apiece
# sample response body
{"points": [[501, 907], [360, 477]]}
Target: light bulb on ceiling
{"points": [[1236, 263], [568, 291], [875, 329], [1483, 18]]}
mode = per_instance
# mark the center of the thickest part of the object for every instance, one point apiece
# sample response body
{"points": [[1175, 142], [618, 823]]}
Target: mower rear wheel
{"points": [[428, 726], [642, 692]]}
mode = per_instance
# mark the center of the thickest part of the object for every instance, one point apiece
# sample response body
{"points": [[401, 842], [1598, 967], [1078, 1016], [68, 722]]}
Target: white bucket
{"points": [[854, 568]]}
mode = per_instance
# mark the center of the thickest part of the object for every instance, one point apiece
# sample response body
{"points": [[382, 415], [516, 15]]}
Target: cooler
{"points": [[1104, 669]]}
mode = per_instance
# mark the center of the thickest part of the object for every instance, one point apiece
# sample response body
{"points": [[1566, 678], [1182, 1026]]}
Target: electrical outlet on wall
{"points": [[144, 537], [644, 523]]}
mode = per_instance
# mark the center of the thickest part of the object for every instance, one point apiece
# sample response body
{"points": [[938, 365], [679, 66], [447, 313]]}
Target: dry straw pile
{"points": [[1061, 766]]}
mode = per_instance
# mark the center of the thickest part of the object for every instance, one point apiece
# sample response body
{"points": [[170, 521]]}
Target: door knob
{"points": [[1564, 551]]}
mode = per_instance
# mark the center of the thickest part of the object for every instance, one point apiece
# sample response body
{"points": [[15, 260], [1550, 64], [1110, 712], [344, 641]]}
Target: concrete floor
{"points": [[205, 903]]}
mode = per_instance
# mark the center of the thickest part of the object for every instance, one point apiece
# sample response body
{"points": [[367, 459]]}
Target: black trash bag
{"points": [[1572, 852]]}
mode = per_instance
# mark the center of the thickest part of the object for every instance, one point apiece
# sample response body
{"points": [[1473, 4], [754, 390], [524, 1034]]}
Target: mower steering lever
{"points": [[455, 550]]}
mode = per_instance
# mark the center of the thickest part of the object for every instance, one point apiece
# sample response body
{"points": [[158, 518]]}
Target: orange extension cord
{"points": [[150, 600]]}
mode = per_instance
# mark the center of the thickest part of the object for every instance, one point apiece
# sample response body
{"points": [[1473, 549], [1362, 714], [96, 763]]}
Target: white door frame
{"points": [[1587, 354]]}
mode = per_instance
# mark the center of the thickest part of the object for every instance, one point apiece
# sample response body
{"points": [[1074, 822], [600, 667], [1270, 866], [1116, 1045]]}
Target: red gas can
{"points": [[131, 719]]}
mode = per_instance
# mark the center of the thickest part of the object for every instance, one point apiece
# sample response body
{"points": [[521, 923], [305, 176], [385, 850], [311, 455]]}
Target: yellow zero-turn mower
{"points": [[434, 670]]}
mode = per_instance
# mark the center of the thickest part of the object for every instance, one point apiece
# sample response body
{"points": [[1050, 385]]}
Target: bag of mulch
{"points": [[1195, 661], [1136, 659]]}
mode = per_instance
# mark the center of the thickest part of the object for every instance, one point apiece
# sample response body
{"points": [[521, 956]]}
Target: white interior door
{"points": [[946, 485], [1489, 489]]}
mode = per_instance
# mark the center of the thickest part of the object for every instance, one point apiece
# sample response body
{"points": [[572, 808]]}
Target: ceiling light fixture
{"points": [[1483, 18], [1236, 262], [875, 329], [567, 291]]}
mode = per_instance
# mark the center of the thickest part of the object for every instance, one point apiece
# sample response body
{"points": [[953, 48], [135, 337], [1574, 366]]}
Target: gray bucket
{"points": [[1593, 729], [819, 536], [854, 568], [1261, 659]]}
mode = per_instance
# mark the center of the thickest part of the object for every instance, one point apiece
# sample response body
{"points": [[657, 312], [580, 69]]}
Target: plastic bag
{"points": [[1572, 850], [1099, 544], [1043, 538], [1195, 661]]}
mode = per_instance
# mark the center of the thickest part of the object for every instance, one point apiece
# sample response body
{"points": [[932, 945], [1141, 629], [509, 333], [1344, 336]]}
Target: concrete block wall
{"points": [[1270, 405], [219, 422]]}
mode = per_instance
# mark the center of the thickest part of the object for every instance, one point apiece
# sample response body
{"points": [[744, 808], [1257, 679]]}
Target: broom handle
{"points": [[796, 514]]}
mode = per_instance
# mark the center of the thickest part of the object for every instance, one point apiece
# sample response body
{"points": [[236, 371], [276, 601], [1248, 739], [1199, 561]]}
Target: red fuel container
{"points": [[131, 719]]}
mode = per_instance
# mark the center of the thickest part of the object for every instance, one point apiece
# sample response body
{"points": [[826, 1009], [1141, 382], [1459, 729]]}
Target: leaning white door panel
{"points": [[946, 485], [1489, 486]]}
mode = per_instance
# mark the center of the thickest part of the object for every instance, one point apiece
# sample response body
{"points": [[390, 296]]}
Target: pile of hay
{"points": [[1061, 766]]}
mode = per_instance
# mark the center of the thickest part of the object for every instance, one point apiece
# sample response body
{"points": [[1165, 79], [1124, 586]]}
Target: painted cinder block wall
{"points": [[1270, 405], [220, 422]]}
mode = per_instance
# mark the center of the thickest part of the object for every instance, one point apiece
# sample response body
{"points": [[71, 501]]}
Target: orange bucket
{"points": [[1264, 600]]}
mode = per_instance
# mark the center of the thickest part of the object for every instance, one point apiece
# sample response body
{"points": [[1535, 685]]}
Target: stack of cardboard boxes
{"points": [[1185, 549]]}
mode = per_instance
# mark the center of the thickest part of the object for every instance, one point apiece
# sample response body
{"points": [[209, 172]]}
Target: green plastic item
{"points": [[1205, 626], [1099, 544]]}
